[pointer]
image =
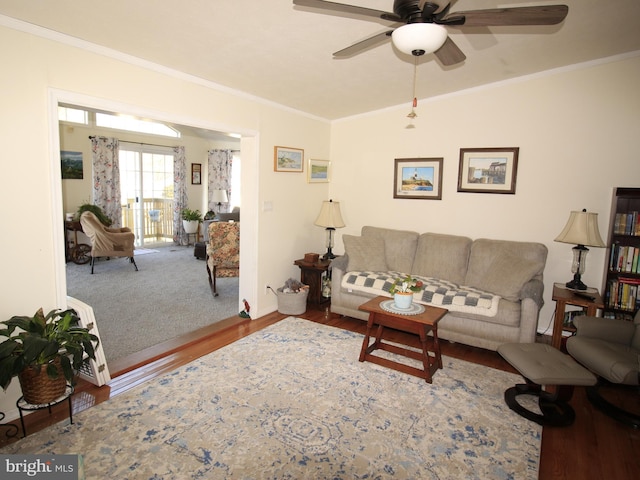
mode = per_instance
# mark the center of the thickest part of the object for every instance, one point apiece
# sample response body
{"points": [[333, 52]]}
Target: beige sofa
{"points": [[492, 288]]}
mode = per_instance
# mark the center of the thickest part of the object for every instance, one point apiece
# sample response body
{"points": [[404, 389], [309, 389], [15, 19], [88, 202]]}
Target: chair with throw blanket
{"points": [[610, 349], [223, 252], [105, 241]]}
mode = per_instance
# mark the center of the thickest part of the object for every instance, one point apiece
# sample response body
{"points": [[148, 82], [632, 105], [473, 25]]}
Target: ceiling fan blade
{"points": [[363, 45], [542, 15], [342, 8], [449, 53]]}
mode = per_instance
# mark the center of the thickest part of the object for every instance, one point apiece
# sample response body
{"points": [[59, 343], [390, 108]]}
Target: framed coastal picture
{"points": [[318, 171], [488, 170], [418, 178], [286, 159]]}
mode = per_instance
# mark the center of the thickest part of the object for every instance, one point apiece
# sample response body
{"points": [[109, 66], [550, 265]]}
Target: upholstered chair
{"points": [[223, 252], [610, 349], [107, 242]]}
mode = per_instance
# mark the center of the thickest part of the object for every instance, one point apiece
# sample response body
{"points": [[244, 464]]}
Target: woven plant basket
{"points": [[38, 388]]}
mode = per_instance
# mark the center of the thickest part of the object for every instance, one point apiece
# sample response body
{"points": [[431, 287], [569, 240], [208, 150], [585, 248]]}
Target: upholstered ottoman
{"points": [[541, 364]]}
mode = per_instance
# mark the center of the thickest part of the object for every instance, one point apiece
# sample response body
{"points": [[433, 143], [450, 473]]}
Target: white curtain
{"points": [[219, 170], [106, 177], [180, 199]]}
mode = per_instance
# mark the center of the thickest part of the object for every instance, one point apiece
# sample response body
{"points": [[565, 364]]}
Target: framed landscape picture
{"points": [[418, 178], [71, 164], [488, 170], [286, 159], [318, 171]]}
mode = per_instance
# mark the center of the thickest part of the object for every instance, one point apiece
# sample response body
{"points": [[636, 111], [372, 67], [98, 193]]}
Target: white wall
{"points": [[577, 133], [37, 72]]}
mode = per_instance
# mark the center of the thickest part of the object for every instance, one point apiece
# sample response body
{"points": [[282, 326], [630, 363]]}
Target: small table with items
{"points": [[420, 320], [311, 274], [590, 300]]}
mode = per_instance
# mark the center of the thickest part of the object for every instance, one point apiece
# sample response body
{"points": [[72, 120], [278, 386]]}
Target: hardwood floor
{"points": [[595, 447]]}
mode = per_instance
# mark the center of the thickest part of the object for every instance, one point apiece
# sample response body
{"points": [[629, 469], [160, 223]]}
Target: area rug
{"points": [[292, 401]]}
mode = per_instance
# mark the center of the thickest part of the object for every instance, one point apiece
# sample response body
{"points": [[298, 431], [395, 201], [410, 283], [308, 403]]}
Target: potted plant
{"points": [[44, 352], [191, 219], [97, 211], [403, 289]]}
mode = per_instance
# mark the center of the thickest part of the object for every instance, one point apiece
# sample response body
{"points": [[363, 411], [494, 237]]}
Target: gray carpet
{"points": [[169, 296]]}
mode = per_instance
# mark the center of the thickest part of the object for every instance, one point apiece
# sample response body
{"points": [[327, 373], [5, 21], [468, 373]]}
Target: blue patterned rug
{"points": [[292, 401]]}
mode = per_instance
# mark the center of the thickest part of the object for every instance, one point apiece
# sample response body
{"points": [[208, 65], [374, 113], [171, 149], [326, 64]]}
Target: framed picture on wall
{"points": [[418, 178], [196, 173], [286, 159], [318, 171], [488, 170]]}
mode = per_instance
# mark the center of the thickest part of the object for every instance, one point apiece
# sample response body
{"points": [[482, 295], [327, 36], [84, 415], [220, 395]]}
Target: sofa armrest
{"points": [[533, 289], [341, 263], [607, 329]]}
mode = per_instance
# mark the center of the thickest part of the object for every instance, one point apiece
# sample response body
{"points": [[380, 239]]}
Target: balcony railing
{"points": [[157, 219]]}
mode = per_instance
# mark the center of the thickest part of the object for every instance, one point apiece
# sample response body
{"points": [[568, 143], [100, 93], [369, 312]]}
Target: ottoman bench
{"points": [[541, 364]]}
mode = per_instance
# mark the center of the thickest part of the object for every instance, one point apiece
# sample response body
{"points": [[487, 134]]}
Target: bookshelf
{"points": [[622, 283]]}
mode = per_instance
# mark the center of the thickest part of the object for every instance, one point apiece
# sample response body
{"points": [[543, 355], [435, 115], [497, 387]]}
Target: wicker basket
{"points": [[292, 303], [38, 388]]}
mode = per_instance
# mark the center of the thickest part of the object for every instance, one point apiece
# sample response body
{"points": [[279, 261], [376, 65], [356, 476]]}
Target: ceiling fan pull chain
{"points": [[413, 114]]}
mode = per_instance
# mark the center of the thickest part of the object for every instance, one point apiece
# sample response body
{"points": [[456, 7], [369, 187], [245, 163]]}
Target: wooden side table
{"points": [[563, 297], [311, 274]]}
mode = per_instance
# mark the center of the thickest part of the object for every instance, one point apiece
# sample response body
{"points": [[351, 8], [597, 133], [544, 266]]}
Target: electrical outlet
{"points": [[266, 289]]}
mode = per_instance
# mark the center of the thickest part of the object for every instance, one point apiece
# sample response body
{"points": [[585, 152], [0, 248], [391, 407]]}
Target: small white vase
{"points": [[403, 300]]}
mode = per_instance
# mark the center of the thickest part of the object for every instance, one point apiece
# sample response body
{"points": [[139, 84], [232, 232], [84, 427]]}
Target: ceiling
{"points": [[283, 53]]}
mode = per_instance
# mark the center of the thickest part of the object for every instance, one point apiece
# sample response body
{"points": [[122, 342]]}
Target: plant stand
{"points": [[24, 406]]}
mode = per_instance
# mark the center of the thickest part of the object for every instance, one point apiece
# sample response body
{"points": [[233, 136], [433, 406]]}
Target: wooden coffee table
{"points": [[420, 324]]}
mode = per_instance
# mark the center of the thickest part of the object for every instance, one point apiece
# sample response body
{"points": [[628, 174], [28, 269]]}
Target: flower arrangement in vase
{"points": [[403, 290]]}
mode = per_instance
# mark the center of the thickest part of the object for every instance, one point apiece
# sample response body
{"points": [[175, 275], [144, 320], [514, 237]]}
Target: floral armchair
{"points": [[223, 252]]}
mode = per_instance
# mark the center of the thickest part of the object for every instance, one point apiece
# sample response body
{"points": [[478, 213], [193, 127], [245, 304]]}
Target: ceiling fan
{"points": [[421, 24]]}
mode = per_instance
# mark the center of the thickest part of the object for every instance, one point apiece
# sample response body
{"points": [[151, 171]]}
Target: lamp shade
{"points": [[581, 229], [330, 216], [219, 196], [419, 38]]}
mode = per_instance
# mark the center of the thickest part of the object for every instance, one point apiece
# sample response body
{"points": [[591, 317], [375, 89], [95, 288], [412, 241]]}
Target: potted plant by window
{"points": [[403, 290], [97, 211], [44, 352], [191, 219]]}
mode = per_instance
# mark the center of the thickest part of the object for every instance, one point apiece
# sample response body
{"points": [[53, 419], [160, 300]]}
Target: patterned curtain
{"points": [[106, 177], [219, 169], [180, 200]]}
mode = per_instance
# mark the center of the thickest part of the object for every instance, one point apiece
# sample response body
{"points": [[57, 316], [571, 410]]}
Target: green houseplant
{"points": [[403, 289], [96, 210], [45, 352], [191, 219]]}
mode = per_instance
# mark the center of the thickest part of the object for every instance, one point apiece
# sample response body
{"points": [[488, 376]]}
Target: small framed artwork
{"points": [[488, 170], [196, 173], [418, 178], [71, 164], [287, 159], [318, 171]]}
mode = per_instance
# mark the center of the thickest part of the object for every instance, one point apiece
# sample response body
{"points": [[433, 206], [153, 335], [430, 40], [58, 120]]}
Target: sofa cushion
{"points": [[507, 274], [399, 246], [365, 253], [442, 256], [503, 267]]}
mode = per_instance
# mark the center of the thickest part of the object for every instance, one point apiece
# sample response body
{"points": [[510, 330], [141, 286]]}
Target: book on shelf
{"points": [[627, 223]]}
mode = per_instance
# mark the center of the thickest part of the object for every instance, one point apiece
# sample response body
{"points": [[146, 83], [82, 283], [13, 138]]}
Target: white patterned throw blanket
{"points": [[437, 292]]}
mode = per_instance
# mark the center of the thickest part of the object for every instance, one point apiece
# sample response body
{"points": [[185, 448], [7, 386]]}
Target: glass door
{"points": [[146, 186]]}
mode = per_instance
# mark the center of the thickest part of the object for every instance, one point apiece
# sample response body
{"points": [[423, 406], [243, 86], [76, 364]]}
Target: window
{"points": [[132, 124], [74, 115]]}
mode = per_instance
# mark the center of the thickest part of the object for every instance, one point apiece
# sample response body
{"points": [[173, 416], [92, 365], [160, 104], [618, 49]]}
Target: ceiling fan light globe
{"points": [[425, 37]]}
